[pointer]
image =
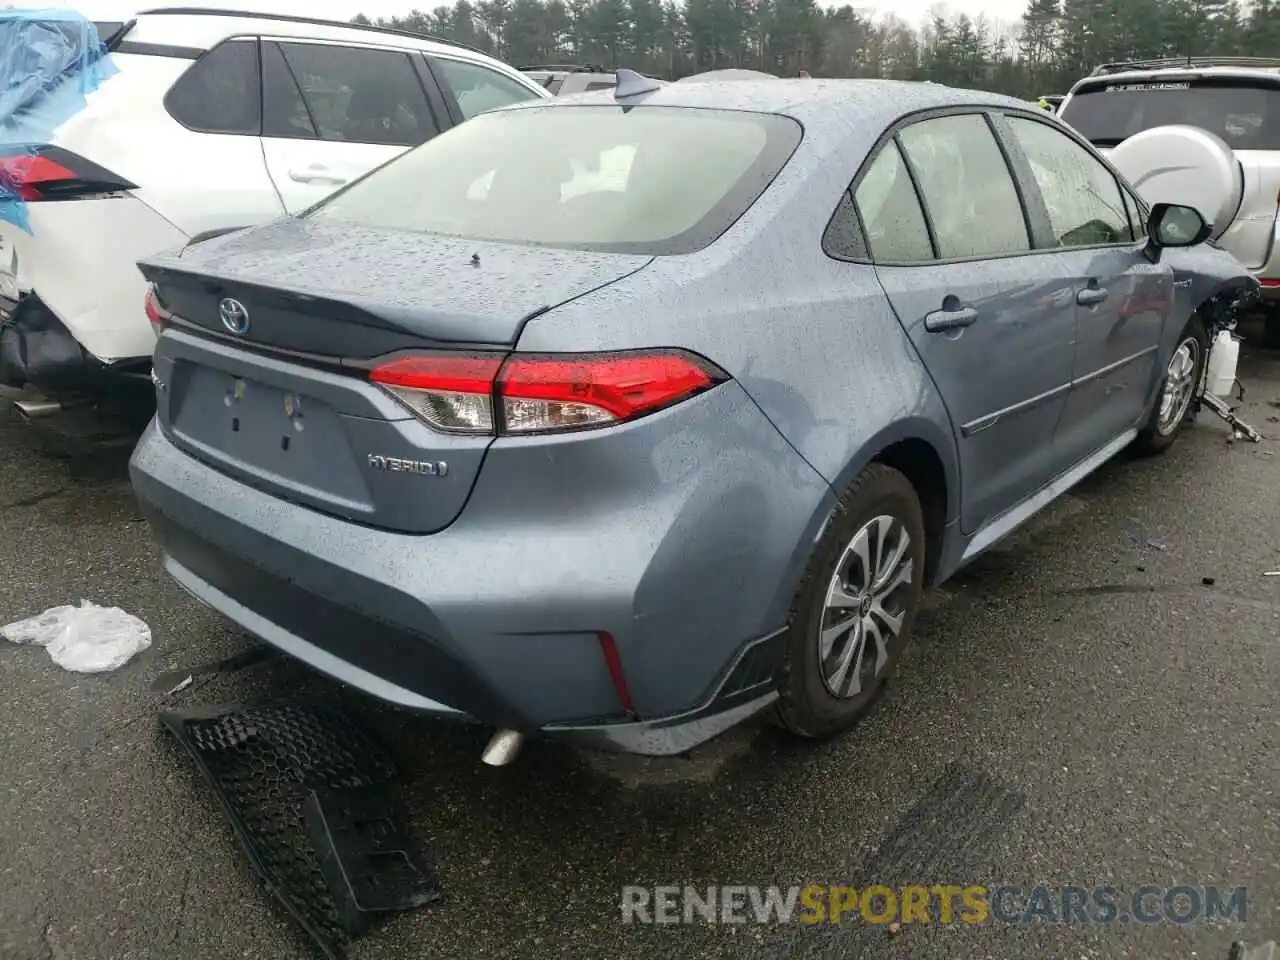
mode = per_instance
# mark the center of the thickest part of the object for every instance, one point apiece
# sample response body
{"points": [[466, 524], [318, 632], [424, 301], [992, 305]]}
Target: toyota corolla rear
{"points": [[353, 459]]}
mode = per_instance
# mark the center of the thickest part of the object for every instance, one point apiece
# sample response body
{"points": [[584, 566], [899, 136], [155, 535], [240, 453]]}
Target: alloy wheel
{"points": [[865, 607]]}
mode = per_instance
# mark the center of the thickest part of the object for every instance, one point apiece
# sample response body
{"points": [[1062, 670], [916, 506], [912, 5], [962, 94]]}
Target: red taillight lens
{"points": [[156, 311], [27, 175], [524, 394]]}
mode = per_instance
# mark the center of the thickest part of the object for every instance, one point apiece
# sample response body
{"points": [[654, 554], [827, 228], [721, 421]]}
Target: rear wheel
{"points": [[1271, 327], [853, 614], [1182, 377]]}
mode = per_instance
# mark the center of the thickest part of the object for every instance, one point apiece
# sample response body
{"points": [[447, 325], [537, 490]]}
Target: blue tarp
{"points": [[50, 61]]}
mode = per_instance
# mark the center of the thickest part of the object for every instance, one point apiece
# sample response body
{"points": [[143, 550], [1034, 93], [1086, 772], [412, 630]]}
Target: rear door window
{"points": [[353, 94], [890, 211], [478, 88], [1086, 207], [220, 92], [967, 188], [284, 112], [1244, 113]]}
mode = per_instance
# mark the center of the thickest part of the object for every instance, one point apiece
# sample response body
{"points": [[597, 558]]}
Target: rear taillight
{"points": [[157, 313], [52, 173], [530, 393]]}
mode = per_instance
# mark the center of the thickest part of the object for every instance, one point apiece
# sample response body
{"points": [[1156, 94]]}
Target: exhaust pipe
{"points": [[37, 409], [502, 749]]}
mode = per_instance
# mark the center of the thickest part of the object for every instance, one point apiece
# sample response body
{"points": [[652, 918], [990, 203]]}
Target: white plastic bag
{"points": [[84, 639]]}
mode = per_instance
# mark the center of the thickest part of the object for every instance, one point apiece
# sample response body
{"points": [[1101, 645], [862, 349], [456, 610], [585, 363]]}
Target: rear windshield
{"points": [[649, 180], [1244, 114]]}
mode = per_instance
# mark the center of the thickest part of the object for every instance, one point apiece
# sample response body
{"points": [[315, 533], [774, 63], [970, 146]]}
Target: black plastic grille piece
{"points": [[311, 796]]}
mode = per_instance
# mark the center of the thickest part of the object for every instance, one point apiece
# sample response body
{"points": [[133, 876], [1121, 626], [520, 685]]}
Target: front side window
{"points": [[650, 180], [890, 210], [361, 95], [1086, 207], [219, 93], [968, 190], [478, 88]]}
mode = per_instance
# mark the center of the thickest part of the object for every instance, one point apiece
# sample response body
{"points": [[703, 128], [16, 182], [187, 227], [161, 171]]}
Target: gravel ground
{"points": [[1079, 707]]}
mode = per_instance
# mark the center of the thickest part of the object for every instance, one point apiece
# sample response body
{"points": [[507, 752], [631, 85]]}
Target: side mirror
{"points": [[1175, 225]]}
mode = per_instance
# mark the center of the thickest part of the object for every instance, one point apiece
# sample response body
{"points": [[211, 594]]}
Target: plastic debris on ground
{"points": [[83, 639], [51, 59], [313, 799]]}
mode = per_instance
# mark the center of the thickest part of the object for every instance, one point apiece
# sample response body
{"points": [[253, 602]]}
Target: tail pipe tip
{"points": [[502, 748]]}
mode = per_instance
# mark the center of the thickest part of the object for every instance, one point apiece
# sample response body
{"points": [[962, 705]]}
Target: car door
{"points": [[1122, 298], [992, 321], [475, 88], [332, 112]]}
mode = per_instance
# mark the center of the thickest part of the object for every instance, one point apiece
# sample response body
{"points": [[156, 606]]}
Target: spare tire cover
{"points": [[1184, 165]]}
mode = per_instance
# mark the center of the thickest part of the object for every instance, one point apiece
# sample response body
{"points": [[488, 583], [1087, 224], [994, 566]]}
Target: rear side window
{"points": [[220, 92], [356, 94], [478, 88], [890, 210], [1246, 114], [649, 180], [284, 112], [967, 188]]}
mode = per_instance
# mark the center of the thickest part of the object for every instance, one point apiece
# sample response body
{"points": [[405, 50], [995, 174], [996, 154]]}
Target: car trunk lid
{"points": [[282, 400]]}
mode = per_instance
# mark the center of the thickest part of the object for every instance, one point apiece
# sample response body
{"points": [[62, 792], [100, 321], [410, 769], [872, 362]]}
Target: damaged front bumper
{"points": [[37, 349]]}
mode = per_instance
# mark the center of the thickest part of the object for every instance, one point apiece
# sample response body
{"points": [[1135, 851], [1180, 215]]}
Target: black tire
{"points": [[807, 706], [1151, 439], [1271, 328]]}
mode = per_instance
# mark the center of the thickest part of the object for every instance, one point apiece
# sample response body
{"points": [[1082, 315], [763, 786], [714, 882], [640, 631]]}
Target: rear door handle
{"points": [[941, 320], [316, 175], [1091, 296]]}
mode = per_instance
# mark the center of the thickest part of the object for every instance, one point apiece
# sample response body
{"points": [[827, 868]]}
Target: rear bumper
{"points": [[37, 348], [497, 618]]}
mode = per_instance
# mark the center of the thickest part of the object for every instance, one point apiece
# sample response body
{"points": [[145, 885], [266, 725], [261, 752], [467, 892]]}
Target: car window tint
{"points": [[478, 88], [284, 113], [890, 210], [843, 237], [219, 92], [600, 85], [636, 179], [1085, 205], [361, 95], [968, 190]]}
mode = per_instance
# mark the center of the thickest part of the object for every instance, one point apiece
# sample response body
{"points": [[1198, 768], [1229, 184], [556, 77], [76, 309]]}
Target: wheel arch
{"points": [[926, 455]]}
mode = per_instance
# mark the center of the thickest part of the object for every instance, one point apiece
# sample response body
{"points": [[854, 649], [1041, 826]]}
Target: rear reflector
{"points": [[156, 311], [52, 173], [529, 393]]}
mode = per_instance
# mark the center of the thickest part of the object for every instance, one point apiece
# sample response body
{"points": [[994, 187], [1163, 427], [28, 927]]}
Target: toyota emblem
{"points": [[234, 316]]}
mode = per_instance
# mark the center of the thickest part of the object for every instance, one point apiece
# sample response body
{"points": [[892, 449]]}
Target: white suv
{"points": [[213, 120], [1235, 98]]}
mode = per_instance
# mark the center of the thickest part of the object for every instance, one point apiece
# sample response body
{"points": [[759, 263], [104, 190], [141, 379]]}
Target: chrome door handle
{"points": [[1091, 296], [941, 320], [316, 175]]}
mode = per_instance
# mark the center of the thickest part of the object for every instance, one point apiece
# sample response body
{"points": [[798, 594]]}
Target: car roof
{"points": [[1237, 67], [205, 27], [873, 102]]}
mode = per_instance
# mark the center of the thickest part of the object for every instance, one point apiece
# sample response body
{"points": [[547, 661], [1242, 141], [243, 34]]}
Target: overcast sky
{"points": [[913, 11]]}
